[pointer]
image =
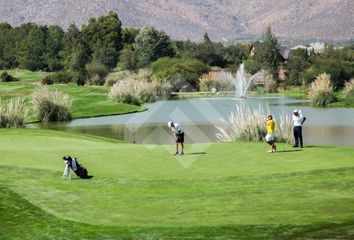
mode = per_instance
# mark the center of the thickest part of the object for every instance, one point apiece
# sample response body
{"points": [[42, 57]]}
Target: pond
{"points": [[199, 118]]}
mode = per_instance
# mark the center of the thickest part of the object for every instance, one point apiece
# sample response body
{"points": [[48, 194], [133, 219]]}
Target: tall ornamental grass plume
{"points": [[348, 90], [13, 114], [321, 91], [129, 91], [284, 128], [133, 91], [51, 106], [144, 74], [244, 124]]}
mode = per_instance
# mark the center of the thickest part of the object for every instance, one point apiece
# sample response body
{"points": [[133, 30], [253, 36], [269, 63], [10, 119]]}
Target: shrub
{"points": [[47, 81], [321, 91], [163, 90], [51, 106], [183, 74], [5, 77], [96, 73], [188, 71], [60, 77], [79, 78], [209, 82], [114, 77], [3, 64], [348, 90], [13, 113], [162, 65]]}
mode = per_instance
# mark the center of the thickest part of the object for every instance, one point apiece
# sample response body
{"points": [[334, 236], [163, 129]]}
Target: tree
{"points": [[14, 41], [54, 44], [184, 74], [129, 35], [75, 54], [104, 37], [128, 59], [267, 55], [298, 62], [152, 44], [233, 55], [5, 30], [210, 53], [32, 49], [96, 73], [206, 38]]}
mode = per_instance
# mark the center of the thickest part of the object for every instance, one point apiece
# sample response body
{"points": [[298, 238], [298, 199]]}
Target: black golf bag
{"points": [[79, 169]]}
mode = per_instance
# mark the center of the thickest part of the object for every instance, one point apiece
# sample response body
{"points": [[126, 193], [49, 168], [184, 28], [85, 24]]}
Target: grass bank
{"points": [[221, 190], [88, 101]]}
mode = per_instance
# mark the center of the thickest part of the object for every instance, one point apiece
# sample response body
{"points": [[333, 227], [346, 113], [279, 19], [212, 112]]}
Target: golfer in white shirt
{"points": [[298, 121], [178, 135]]}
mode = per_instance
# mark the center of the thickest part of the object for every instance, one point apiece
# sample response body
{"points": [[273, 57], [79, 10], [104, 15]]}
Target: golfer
{"points": [[270, 138], [298, 121], [178, 135]]}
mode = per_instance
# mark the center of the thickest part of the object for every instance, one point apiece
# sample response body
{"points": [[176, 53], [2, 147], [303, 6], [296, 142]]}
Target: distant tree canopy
{"points": [[103, 44], [151, 45], [266, 55], [104, 37]]}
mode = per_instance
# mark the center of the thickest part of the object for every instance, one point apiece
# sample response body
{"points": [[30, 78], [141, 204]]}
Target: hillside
{"points": [[183, 19]]}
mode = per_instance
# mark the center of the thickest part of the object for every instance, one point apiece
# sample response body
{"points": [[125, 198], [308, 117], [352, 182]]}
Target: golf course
{"points": [[215, 191]]}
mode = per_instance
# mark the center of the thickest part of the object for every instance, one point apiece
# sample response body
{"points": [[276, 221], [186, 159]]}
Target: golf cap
{"points": [[295, 111], [169, 124]]}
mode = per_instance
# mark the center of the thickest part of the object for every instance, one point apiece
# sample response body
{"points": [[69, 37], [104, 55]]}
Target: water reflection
{"points": [[199, 118]]}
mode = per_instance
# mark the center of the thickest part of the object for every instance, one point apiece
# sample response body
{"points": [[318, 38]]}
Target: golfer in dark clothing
{"points": [[178, 135], [298, 121]]}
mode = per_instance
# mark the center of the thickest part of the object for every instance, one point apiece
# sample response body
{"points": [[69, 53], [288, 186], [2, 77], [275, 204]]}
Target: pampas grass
{"points": [[136, 92], [321, 91], [245, 124], [284, 129], [51, 106], [348, 90], [13, 114]]}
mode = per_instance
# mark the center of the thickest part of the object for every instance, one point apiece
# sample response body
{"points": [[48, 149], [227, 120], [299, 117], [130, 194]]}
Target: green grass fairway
{"points": [[215, 191], [26, 75], [87, 101]]}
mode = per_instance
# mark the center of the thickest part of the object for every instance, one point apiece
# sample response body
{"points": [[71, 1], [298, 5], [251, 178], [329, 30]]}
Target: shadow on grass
{"points": [[195, 153], [290, 150]]}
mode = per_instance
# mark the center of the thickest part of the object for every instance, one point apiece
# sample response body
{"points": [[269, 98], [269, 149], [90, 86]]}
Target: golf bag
{"points": [[72, 163]]}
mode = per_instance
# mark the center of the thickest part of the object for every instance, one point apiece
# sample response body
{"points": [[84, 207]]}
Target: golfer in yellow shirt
{"points": [[270, 138]]}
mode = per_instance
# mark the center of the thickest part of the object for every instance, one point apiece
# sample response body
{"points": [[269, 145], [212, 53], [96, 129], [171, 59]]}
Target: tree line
{"points": [[103, 44]]}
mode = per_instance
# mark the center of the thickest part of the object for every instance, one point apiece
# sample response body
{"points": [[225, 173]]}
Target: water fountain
{"points": [[240, 82]]}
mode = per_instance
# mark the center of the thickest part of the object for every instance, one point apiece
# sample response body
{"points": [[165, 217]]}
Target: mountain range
{"points": [[223, 20]]}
